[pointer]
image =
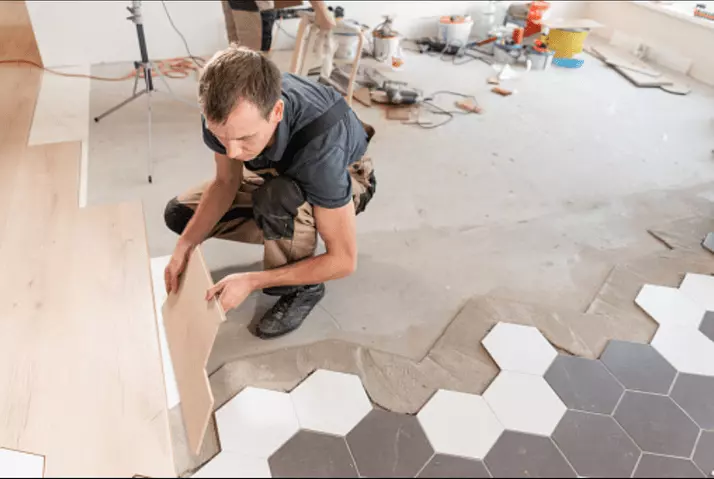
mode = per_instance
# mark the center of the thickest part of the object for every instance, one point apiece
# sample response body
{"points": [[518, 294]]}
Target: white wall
{"points": [[657, 29], [86, 32]]}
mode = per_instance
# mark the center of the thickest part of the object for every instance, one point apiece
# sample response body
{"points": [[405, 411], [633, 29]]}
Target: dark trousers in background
{"points": [[250, 28]]}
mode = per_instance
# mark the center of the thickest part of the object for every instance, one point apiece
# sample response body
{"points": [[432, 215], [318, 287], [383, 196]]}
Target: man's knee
{"points": [[177, 215], [275, 207]]}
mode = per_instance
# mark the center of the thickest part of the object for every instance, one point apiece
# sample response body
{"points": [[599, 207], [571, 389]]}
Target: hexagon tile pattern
{"points": [[639, 411], [518, 348]]}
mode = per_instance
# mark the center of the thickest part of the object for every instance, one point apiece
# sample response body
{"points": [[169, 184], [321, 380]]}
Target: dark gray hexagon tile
{"points": [[707, 326], [596, 445], [657, 424], [517, 454], [638, 367], [584, 385], [704, 453], [387, 444], [695, 394], [652, 465], [311, 454], [442, 465]]}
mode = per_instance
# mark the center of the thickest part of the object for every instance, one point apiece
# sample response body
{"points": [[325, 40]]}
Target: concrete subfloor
{"points": [[537, 211], [535, 199]]}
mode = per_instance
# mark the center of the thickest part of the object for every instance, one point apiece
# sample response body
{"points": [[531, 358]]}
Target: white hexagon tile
{"points": [[518, 348], [700, 289], [233, 464], [21, 464], [687, 349], [330, 402], [525, 403], [460, 424], [669, 306], [256, 422]]}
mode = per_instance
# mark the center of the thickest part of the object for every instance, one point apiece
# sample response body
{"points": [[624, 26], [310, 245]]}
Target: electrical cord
{"points": [[436, 109], [279, 23], [185, 43]]}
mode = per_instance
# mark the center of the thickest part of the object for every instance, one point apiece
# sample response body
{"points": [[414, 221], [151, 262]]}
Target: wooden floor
{"points": [[80, 366]]}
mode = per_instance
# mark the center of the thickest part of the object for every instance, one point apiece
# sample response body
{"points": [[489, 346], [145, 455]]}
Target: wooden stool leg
{"points": [[298, 52]]}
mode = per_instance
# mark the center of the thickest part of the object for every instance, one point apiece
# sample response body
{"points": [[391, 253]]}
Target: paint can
{"points": [[540, 60]]}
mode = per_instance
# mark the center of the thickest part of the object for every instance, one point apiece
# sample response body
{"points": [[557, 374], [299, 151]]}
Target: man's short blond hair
{"points": [[238, 74]]}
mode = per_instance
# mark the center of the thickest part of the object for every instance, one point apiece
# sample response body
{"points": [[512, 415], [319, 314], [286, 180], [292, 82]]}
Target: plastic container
{"points": [[566, 42], [347, 39], [455, 30]]}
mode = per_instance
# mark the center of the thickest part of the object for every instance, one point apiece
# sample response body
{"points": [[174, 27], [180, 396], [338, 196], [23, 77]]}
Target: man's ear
{"points": [[278, 109]]}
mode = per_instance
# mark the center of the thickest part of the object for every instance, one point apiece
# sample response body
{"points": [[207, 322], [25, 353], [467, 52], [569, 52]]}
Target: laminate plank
{"points": [[191, 325], [19, 88], [79, 353]]}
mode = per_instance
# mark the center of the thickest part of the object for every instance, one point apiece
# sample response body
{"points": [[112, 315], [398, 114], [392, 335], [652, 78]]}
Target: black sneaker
{"points": [[289, 312]]}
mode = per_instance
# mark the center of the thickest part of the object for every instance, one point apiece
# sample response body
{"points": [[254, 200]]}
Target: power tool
{"points": [[397, 93]]}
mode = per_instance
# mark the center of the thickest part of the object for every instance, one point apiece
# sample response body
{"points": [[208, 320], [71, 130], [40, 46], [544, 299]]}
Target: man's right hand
{"points": [[176, 266]]}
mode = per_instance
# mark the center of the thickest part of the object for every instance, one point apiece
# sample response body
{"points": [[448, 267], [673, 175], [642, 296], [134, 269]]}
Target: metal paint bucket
{"points": [[540, 60]]}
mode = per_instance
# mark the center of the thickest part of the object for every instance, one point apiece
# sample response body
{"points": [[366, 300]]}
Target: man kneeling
{"points": [[289, 164]]}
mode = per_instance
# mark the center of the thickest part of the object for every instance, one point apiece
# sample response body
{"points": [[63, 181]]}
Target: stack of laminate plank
{"points": [[80, 367]]}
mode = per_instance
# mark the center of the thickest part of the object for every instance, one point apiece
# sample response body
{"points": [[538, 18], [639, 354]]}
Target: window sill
{"points": [[669, 11]]}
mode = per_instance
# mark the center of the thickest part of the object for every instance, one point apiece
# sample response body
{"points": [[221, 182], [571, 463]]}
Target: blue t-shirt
{"points": [[321, 167]]}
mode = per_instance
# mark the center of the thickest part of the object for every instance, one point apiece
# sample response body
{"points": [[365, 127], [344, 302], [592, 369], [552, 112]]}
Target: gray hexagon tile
{"points": [[669, 306], [524, 403], [685, 348], [524, 455], [704, 453], [596, 445], [451, 466], [584, 384], [657, 424], [638, 367], [707, 326], [518, 348], [387, 444], [660, 466], [700, 289], [256, 422], [234, 464], [312, 454], [330, 402], [695, 394], [460, 424]]}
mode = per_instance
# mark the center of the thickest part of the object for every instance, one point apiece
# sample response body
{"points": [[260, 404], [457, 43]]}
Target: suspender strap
{"points": [[317, 127]]}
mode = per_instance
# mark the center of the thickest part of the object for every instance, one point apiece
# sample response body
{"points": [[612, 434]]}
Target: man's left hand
{"points": [[231, 290]]}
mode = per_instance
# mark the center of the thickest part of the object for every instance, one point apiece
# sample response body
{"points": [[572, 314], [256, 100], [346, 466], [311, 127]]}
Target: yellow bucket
{"points": [[565, 43]]}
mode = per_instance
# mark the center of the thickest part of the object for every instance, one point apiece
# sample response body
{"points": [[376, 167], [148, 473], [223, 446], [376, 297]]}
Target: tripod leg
{"points": [[136, 81], [150, 165], [171, 92], [115, 108]]}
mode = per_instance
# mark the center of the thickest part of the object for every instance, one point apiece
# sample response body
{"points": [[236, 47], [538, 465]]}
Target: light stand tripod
{"points": [[146, 66]]}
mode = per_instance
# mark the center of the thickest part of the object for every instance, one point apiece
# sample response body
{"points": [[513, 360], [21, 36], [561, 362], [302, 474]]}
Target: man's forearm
{"points": [[214, 203], [318, 269]]}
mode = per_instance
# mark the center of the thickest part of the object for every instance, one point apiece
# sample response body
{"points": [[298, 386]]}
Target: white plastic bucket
{"points": [[347, 41], [456, 34]]}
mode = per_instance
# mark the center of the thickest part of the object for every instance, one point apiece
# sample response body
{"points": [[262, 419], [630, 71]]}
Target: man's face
{"points": [[246, 132]]}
